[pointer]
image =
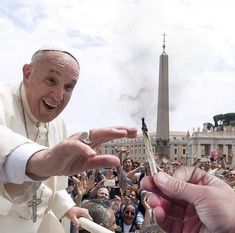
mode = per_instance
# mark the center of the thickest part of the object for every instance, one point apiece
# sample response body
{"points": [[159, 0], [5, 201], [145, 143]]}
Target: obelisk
{"points": [[162, 137]]}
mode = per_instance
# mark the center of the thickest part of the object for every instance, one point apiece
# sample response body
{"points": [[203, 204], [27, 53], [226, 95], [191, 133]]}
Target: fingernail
{"points": [[162, 177]]}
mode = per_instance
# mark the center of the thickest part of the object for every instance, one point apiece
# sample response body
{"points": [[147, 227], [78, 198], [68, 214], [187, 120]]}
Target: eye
{"points": [[50, 81], [69, 88]]}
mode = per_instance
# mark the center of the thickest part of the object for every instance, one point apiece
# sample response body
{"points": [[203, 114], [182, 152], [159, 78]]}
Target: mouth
{"points": [[49, 105]]}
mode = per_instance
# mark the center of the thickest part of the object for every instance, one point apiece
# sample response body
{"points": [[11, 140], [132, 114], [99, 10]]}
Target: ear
{"points": [[26, 72]]}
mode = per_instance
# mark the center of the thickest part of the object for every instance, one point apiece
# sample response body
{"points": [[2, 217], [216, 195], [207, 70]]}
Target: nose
{"points": [[129, 214], [58, 93]]}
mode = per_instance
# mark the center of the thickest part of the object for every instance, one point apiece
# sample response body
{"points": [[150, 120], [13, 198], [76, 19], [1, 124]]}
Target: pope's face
{"points": [[49, 82]]}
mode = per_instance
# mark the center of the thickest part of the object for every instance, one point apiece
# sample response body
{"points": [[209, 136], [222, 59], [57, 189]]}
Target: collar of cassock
{"points": [[26, 106], [42, 127]]}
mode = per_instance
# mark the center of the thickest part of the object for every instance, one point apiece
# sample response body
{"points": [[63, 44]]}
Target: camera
{"points": [[109, 183]]}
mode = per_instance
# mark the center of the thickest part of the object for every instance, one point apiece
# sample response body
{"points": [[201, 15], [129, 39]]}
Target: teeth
{"points": [[50, 104]]}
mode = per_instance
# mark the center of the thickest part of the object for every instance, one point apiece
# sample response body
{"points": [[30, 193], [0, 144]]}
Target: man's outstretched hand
{"points": [[72, 156]]}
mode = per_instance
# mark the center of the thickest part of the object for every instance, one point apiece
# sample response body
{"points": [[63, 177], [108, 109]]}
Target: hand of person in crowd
{"points": [[191, 201], [125, 200], [74, 213], [116, 203], [72, 156], [80, 185], [83, 186], [90, 183]]}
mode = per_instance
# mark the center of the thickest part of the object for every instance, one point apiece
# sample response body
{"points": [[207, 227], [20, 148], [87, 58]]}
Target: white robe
{"points": [[15, 215]]}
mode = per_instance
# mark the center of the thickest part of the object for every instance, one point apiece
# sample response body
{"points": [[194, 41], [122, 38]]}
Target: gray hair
{"points": [[99, 210], [153, 228]]}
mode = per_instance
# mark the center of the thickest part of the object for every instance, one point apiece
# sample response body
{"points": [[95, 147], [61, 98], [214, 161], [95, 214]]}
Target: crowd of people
{"points": [[120, 187]]}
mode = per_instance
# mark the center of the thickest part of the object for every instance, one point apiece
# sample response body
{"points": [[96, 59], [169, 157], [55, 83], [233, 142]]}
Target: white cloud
{"points": [[118, 43]]}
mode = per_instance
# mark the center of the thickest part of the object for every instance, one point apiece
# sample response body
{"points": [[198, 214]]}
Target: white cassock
{"points": [[15, 209]]}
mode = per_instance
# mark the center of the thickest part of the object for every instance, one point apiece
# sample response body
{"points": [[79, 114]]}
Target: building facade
{"points": [[183, 146], [135, 147], [221, 139]]}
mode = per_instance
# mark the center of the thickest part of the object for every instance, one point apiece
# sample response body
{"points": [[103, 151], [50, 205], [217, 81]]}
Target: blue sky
{"points": [[118, 44]]}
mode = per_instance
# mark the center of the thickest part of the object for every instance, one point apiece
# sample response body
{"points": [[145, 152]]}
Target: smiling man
{"points": [[34, 147], [49, 81]]}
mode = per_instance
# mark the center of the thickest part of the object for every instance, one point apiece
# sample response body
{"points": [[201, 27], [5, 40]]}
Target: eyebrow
{"points": [[74, 81], [55, 71]]}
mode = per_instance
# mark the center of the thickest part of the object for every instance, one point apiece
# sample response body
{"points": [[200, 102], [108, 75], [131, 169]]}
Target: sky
{"points": [[118, 44]]}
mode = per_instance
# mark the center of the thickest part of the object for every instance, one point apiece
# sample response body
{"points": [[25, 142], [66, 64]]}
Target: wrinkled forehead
{"points": [[55, 59]]}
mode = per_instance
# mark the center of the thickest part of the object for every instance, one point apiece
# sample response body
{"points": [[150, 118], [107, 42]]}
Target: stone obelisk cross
{"points": [[162, 137]]}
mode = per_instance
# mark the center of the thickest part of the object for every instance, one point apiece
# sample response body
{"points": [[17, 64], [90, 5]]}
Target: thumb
{"points": [[178, 189]]}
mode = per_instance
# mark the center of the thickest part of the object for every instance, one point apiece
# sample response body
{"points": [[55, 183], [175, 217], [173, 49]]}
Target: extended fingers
{"points": [[106, 134], [107, 161], [131, 132]]}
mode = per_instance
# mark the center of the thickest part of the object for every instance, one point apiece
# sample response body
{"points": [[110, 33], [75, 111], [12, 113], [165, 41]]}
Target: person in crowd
{"points": [[191, 201], [213, 167], [100, 174], [124, 181], [205, 164], [231, 178], [130, 196], [35, 148], [197, 161], [102, 193], [101, 213], [126, 218], [135, 165], [136, 173], [82, 187]]}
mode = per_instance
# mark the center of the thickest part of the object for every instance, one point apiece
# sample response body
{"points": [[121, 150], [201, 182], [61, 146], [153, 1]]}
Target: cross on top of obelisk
{"points": [[164, 42]]}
